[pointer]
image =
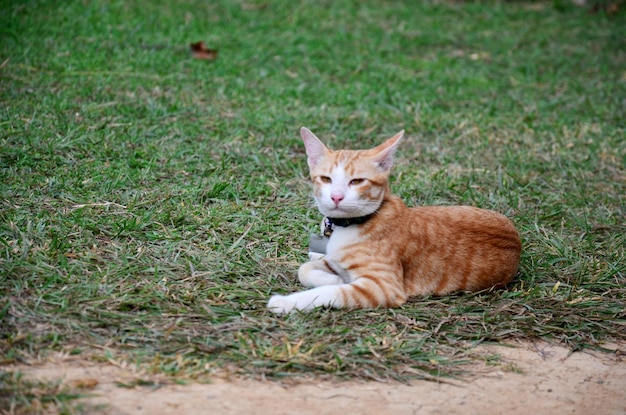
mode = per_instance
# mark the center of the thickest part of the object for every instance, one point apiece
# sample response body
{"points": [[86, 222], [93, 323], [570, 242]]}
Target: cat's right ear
{"points": [[315, 149]]}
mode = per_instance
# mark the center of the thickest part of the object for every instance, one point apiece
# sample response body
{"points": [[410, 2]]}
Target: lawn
{"points": [[152, 202]]}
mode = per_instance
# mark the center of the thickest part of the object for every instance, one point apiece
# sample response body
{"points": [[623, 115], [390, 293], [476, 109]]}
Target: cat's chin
{"points": [[342, 214], [347, 209], [338, 214]]}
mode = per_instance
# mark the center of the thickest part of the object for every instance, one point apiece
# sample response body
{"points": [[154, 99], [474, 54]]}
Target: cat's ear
{"points": [[315, 149], [383, 154]]}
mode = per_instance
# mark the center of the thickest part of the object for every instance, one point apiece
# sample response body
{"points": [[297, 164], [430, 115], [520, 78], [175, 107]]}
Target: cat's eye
{"points": [[355, 182], [325, 179]]}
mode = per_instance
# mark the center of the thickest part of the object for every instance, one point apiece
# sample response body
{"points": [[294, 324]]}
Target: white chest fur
{"points": [[341, 237]]}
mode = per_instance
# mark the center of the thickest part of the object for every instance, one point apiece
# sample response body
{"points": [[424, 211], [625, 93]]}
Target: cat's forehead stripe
{"points": [[342, 169], [346, 159], [338, 172]]}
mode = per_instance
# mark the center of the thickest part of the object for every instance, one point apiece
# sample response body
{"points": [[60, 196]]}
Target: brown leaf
{"points": [[199, 51], [612, 9], [86, 383]]}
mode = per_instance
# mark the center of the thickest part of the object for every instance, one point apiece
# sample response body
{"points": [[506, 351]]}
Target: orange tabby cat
{"points": [[380, 252]]}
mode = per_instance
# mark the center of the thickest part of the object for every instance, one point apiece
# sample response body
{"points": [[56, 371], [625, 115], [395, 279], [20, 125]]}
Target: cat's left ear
{"points": [[315, 149], [383, 154]]}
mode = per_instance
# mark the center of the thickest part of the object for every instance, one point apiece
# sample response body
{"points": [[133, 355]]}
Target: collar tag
{"points": [[328, 227], [318, 243], [317, 246]]}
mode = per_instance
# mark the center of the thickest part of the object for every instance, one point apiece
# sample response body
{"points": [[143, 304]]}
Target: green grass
{"points": [[151, 203], [21, 396]]}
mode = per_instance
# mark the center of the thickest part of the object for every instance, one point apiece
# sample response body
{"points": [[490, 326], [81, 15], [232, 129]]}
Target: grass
{"points": [[151, 203], [21, 396]]}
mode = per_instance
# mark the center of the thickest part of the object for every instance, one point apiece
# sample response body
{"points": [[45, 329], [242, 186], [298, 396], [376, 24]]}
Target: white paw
{"points": [[314, 256], [280, 304], [327, 296], [318, 278]]}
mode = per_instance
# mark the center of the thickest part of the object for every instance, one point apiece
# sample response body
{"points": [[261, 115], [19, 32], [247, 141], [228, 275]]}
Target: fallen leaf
{"points": [[87, 383], [612, 9], [199, 51]]}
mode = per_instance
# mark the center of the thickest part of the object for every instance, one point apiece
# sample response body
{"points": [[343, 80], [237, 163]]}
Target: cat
{"points": [[380, 252]]}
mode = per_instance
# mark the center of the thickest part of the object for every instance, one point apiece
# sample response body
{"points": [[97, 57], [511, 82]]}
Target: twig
{"points": [[104, 204]]}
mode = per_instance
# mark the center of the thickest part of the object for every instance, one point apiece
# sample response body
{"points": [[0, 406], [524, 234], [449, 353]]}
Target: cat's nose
{"points": [[337, 197]]}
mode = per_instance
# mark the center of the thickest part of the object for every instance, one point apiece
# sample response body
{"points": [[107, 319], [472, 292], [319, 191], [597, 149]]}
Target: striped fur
{"points": [[400, 252]]}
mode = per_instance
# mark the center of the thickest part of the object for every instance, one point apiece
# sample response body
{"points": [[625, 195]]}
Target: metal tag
{"points": [[317, 244]]}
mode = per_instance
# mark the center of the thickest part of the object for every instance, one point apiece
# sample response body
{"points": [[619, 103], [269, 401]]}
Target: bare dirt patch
{"points": [[526, 379]]}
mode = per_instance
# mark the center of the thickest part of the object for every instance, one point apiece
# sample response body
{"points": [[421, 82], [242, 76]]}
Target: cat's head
{"points": [[349, 183]]}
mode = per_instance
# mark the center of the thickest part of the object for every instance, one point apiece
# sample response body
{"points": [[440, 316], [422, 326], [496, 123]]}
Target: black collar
{"points": [[344, 222]]}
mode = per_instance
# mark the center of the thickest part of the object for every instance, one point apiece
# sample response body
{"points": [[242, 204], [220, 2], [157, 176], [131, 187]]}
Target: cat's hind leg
{"points": [[320, 272]]}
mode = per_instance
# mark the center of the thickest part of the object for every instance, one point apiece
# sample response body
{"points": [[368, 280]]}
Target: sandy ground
{"points": [[529, 379]]}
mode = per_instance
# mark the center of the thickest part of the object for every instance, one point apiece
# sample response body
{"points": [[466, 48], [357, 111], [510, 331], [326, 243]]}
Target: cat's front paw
{"points": [[281, 304]]}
